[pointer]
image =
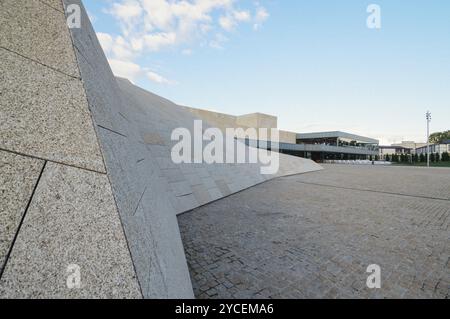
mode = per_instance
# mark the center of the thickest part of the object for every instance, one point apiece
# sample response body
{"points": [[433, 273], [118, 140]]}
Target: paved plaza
{"points": [[313, 236]]}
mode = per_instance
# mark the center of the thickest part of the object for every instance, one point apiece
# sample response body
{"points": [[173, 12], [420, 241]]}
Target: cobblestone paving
{"points": [[313, 236]]}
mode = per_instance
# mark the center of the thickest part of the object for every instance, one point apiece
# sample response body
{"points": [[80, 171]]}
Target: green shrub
{"points": [[422, 158], [445, 157], [403, 158]]}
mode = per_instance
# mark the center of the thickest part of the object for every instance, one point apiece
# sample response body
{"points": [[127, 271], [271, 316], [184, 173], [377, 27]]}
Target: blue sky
{"points": [[314, 64]]}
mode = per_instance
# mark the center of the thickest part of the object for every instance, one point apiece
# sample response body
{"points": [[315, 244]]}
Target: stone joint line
{"points": [[375, 191], [40, 63], [3, 267]]}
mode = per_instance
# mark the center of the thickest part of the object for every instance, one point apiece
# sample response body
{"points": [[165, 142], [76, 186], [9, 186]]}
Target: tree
{"points": [[437, 157], [439, 137], [409, 158], [422, 158], [377, 158], [416, 158], [445, 157], [387, 158], [370, 158], [403, 158], [432, 158]]}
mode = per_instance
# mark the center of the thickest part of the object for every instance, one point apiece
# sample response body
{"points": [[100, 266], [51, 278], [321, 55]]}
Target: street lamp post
{"points": [[428, 137]]}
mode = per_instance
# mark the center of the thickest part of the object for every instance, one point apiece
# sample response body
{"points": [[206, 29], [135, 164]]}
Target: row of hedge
{"points": [[422, 158]]}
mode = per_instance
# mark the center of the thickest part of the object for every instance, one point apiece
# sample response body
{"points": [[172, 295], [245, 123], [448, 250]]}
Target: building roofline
{"points": [[394, 146], [336, 134], [434, 144]]}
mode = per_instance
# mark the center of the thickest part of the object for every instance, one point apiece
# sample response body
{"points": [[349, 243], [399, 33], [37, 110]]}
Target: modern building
{"points": [[403, 148], [336, 145], [434, 148], [412, 148], [394, 150], [253, 120], [410, 145], [318, 146]]}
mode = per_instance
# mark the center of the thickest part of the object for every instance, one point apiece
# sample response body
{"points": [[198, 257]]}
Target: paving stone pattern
{"points": [[296, 237]]}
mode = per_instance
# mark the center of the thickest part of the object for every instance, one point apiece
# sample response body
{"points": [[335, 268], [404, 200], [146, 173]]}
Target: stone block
{"points": [[56, 4], [35, 30], [45, 114], [18, 177], [72, 220]]}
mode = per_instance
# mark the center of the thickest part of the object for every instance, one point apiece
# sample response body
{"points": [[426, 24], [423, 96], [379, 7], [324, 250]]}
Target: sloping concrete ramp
{"points": [[89, 193]]}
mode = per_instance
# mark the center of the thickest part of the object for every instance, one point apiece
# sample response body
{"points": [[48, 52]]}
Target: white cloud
{"points": [[157, 78], [261, 16], [125, 69], [230, 21], [120, 55], [126, 12], [156, 41], [227, 23], [218, 41], [242, 15], [121, 49], [154, 25], [106, 41], [116, 47], [148, 26], [134, 72]]}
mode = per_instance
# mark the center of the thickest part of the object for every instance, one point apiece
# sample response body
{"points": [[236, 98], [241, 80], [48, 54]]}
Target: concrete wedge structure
{"points": [[90, 193]]}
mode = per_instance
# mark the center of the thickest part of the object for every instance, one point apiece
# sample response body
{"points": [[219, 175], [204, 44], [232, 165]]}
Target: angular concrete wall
{"points": [[219, 120], [190, 185], [258, 120], [288, 137], [145, 208], [86, 170], [254, 120]]}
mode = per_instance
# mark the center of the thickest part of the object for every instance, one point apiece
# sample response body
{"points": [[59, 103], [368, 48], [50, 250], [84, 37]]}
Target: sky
{"points": [[316, 65]]}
